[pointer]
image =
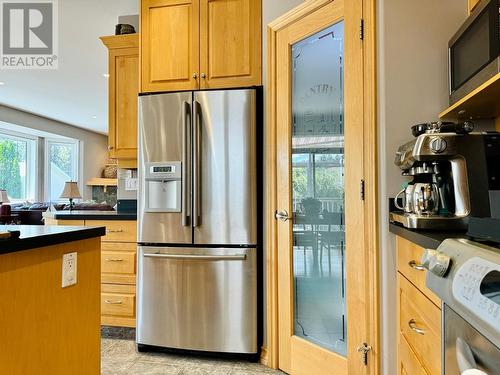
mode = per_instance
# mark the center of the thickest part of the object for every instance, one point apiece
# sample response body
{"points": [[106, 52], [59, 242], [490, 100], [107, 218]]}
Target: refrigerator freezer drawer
{"points": [[198, 298]]}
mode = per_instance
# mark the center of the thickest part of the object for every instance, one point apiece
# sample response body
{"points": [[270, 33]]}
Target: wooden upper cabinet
{"points": [[230, 43], [169, 45], [193, 44], [123, 91]]}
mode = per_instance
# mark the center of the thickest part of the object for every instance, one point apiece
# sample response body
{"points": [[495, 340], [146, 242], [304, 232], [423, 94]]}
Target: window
{"points": [[18, 166], [34, 165], [61, 166]]}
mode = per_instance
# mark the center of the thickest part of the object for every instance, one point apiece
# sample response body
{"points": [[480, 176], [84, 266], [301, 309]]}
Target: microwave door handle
{"points": [[196, 164], [185, 164]]}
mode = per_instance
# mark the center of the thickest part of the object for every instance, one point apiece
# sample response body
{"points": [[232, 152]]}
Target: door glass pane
{"points": [[318, 189]]}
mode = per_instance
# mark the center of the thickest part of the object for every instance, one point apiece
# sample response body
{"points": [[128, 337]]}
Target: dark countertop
{"points": [[34, 236], [425, 238], [90, 215]]}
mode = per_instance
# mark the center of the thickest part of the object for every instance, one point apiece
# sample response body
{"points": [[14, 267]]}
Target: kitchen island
{"points": [[118, 260], [46, 328]]}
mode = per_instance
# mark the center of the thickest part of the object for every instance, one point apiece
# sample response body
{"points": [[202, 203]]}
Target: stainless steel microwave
{"points": [[474, 50]]}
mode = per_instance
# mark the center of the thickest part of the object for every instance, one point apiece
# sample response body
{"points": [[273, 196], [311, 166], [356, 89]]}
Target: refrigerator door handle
{"points": [[196, 164], [196, 257], [186, 181]]}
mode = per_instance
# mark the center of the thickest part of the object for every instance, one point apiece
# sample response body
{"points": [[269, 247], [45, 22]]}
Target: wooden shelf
{"points": [[482, 103], [97, 181]]}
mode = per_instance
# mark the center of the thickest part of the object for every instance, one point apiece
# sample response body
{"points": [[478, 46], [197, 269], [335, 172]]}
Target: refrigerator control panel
{"points": [[163, 170]]}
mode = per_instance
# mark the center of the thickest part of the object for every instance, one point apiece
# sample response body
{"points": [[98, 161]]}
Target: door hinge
{"points": [[361, 29], [364, 348], [362, 190]]}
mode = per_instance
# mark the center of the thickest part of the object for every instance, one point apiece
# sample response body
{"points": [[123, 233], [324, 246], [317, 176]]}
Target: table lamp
{"points": [[71, 192], [4, 208]]}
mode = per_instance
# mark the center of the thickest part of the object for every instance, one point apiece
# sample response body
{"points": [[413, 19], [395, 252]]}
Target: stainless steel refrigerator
{"points": [[197, 221]]}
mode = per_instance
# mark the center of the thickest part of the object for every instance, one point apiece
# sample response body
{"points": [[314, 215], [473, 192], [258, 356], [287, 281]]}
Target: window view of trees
{"points": [[13, 167], [62, 166], [19, 164], [325, 178]]}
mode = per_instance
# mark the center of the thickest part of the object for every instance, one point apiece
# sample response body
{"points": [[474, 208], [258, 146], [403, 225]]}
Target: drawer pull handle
{"points": [[413, 326], [416, 266], [114, 260], [114, 230], [113, 302]]}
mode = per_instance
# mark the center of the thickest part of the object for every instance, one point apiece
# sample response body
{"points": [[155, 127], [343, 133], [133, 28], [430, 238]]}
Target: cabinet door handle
{"points": [[203, 75], [114, 260], [110, 147], [114, 230], [413, 326], [195, 75], [109, 302], [416, 266]]}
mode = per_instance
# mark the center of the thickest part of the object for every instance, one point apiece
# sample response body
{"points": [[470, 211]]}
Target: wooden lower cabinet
{"points": [[118, 268], [118, 263], [408, 364], [419, 315], [118, 305]]}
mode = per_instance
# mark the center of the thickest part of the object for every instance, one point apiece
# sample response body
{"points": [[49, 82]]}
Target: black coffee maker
{"points": [[484, 155]]}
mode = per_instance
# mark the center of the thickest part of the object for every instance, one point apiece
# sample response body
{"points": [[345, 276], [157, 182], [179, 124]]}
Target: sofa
{"points": [[31, 213]]}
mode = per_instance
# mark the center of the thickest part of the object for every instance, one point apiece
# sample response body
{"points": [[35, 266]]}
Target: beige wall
{"points": [[94, 145], [271, 9], [412, 88]]}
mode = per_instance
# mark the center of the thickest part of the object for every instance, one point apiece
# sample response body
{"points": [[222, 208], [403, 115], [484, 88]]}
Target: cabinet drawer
{"points": [[408, 363], [420, 325], [117, 304], [116, 230], [118, 262], [119, 246], [409, 255]]}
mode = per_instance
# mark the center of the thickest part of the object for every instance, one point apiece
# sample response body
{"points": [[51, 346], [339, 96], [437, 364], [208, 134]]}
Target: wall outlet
{"points": [[131, 184], [69, 267]]}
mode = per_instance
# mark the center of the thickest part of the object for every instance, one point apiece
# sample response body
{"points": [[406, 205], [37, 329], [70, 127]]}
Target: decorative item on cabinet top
{"points": [[111, 169]]}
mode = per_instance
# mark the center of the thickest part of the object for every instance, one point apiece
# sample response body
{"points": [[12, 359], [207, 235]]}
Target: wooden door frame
{"points": [[271, 348]]}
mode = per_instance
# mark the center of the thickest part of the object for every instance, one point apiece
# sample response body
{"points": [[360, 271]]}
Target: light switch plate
{"points": [[69, 268]]}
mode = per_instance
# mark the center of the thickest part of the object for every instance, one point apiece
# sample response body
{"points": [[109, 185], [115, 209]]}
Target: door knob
{"points": [[282, 215], [195, 75], [203, 75]]}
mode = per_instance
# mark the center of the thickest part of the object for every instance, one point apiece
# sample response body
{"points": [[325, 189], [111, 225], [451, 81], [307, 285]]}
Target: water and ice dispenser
{"points": [[163, 186]]}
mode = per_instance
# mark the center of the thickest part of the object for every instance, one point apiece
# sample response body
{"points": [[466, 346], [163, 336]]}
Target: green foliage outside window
{"points": [[12, 154]]}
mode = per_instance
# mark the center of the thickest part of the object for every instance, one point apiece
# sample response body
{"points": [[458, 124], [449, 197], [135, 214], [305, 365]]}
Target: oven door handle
{"points": [[465, 359]]}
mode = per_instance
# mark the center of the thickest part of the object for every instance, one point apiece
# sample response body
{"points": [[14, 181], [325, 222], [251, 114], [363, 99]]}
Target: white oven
{"points": [[466, 276]]}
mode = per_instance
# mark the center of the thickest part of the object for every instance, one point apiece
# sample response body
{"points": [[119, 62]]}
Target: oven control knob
{"points": [[438, 145], [436, 262]]}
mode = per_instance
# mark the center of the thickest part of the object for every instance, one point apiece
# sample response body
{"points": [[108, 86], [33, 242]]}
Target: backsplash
{"points": [[108, 195]]}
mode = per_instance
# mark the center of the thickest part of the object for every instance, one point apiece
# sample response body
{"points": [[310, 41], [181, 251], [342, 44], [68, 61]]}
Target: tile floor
{"points": [[119, 357]]}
